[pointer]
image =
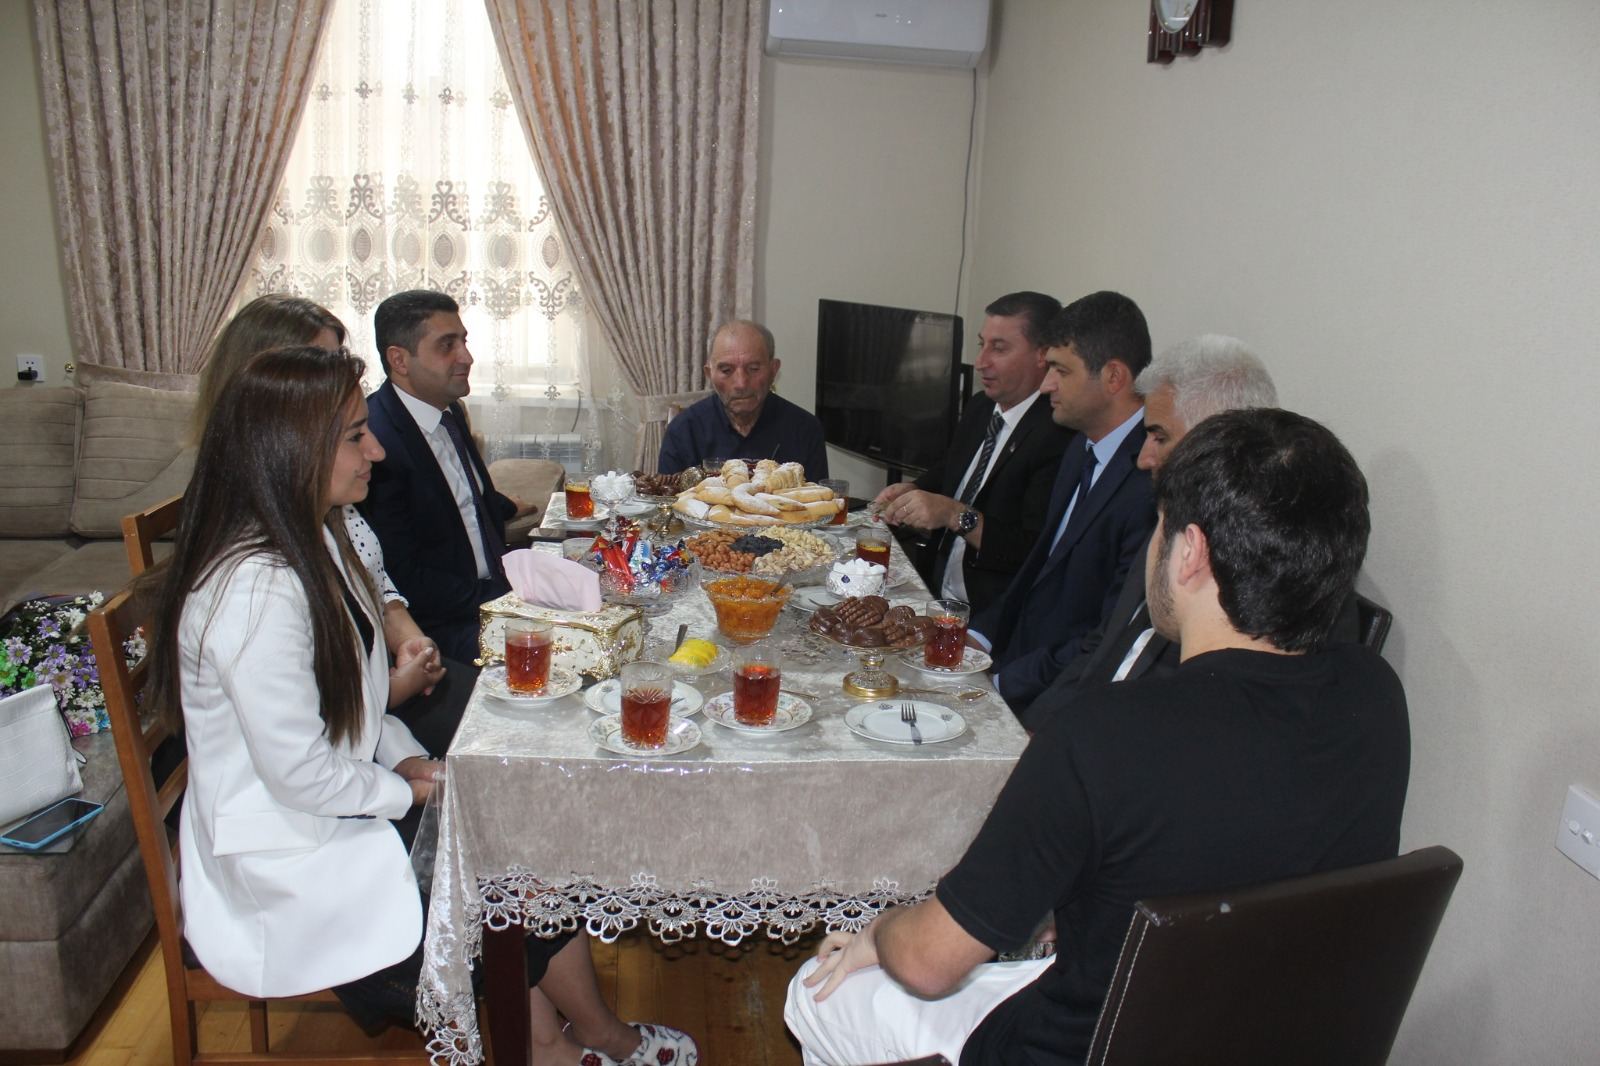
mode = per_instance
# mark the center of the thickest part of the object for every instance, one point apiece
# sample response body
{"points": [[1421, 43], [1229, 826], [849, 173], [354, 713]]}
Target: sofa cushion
{"points": [[98, 566], [38, 452], [134, 454], [88, 374], [45, 893], [529, 480], [54, 987], [21, 561]]}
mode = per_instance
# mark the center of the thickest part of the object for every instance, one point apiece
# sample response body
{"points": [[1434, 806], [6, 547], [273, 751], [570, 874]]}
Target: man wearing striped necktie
{"points": [[985, 503]]}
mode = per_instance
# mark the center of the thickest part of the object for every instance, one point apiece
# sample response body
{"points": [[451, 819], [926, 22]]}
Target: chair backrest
{"points": [[140, 532], [110, 627], [1316, 971], [1374, 622]]}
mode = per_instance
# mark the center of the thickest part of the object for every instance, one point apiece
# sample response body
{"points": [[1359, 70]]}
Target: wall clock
{"points": [[1183, 27]]}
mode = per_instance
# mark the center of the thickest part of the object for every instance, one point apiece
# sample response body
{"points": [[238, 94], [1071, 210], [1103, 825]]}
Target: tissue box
{"points": [[595, 643]]}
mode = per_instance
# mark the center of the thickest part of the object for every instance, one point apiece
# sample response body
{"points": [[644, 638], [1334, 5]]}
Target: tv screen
{"points": [[887, 380]]}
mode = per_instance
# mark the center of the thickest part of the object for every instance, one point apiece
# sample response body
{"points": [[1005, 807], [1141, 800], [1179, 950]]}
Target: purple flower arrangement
{"points": [[44, 642]]}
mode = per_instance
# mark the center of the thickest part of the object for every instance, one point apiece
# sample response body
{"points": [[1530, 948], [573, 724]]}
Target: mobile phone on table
{"points": [[51, 824]]}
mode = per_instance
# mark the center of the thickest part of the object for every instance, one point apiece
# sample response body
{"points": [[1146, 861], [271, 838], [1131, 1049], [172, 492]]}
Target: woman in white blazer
{"points": [[268, 653]]}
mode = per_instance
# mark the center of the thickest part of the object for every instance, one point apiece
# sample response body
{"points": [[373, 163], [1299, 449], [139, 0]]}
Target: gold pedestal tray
{"points": [[871, 681], [665, 522]]}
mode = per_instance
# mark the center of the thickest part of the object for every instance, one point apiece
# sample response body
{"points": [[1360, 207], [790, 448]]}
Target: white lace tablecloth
{"points": [[744, 835]]}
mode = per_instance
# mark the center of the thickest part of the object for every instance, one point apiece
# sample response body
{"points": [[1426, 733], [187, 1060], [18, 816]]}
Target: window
{"points": [[410, 170]]}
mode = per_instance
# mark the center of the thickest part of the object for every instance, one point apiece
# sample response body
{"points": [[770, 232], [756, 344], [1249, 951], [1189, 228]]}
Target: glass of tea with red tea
{"points": [[841, 492], [580, 504], [947, 637], [757, 673], [528, 649], [872, 544], [646, 703]]}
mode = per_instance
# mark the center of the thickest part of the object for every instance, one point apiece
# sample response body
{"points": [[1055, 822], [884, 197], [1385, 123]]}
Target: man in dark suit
{"points": [[1101, 508], [1187, 383], [432, 504], [985, 502]]}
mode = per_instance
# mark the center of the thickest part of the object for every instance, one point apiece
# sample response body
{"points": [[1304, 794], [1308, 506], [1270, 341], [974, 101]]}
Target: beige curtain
{"points": [[169, 122], [644, 117]]}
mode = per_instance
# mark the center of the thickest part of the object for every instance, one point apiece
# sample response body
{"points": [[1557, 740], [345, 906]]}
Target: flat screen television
{"points": [[887, 381]]}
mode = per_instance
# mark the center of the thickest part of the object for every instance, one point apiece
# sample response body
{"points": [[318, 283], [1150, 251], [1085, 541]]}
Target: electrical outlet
{"points": [[1578, 836], [30, 368]]}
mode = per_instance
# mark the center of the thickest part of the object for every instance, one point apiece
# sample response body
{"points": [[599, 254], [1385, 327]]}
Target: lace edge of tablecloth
{"points": [[446, 1008]]}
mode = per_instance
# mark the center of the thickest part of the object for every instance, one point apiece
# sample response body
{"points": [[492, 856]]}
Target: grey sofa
{"points": [[77, 460]]}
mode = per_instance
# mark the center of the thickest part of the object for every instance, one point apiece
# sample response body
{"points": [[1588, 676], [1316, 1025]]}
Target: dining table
{"points": [[818, 825]]}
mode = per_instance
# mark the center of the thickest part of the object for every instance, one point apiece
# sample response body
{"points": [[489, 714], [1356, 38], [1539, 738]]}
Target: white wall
{"points": [[33, 311], [1396, 204], [862, 169]]}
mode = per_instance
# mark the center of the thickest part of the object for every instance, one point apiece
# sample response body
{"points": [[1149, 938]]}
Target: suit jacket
{"points": [[1013, 499], [1105, 648], [293, 879], [411, 508], [1061, 594]]}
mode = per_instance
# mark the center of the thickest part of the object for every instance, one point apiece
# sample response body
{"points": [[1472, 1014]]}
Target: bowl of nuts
{"points": [[791, 555], [747, 607]]}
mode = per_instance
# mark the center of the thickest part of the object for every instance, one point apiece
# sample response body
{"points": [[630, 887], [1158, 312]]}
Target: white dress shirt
{"points": [[955, 582], [430, 420]]}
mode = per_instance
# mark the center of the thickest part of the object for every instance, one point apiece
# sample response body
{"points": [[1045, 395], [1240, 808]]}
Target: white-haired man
{"points": [[1187, 383]]}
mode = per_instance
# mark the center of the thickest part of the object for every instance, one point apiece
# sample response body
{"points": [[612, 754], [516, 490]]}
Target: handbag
{"points": [[37, 763]]}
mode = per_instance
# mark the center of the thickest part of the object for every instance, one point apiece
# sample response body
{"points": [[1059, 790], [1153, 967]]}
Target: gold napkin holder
{"points": [[594, 643]]}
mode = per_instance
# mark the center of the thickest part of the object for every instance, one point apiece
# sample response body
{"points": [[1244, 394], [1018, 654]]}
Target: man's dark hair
{"points": [[1101, 327], [1034, 308], [1284, 510], [399, 319]]}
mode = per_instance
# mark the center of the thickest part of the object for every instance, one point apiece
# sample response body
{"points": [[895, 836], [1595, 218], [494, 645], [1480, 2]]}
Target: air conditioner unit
{"points": [[944, 33]]}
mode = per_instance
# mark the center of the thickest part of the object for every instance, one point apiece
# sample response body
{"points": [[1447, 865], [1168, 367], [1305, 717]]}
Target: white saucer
{"points": [[682, 735], [792, 712], [880, 720], [562, 683], [606, 698], [810, 598], [973, 661]]}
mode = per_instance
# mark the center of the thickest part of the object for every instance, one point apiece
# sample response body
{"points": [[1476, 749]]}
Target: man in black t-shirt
{"points": [[1264, 756]]}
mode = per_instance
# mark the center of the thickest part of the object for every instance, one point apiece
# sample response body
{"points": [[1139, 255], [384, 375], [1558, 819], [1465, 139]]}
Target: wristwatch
{"points": [[966, 522]]}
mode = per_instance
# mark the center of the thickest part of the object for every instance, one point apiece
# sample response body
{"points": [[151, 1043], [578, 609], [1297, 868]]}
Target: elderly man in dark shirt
{"points": [[743, 419], [1265, 755]]}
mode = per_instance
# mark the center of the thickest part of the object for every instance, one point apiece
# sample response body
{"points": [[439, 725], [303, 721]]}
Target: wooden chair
{"points": [[187, 985], [1316, 971], [140, 532]]}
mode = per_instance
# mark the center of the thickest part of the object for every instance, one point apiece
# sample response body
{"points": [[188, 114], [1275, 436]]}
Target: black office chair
{"points": [[1374, 622], [1316, 971]]}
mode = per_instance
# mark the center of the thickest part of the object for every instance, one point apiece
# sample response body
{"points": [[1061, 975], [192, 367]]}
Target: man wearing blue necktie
{"points": [[1101, 507]]}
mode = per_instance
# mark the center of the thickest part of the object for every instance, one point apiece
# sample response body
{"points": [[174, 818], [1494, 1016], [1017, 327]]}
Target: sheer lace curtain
{"points": [[410, 171], [644, 117], [168, 125]]}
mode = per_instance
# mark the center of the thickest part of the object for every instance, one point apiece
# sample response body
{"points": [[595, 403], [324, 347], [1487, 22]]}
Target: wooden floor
{"points": [[729, 999]]}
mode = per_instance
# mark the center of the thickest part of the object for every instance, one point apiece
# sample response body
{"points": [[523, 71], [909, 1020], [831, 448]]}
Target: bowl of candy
{"points": [[747, 607], [636, 571]]}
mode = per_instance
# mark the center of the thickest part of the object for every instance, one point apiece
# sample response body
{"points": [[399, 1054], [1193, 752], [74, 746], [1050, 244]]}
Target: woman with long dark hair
{"points": [[266, 652], [279, 320]]}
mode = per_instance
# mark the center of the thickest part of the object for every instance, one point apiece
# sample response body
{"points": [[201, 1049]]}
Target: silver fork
{"points": [[908, 715]]}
